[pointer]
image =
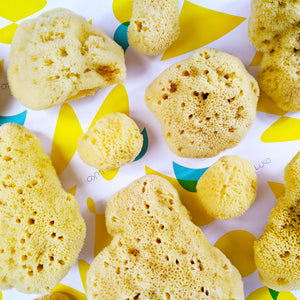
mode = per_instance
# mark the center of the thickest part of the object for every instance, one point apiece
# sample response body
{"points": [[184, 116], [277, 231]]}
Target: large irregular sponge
{"points": [[270, 19], [228, 188], [279, 74], [112, 142], [205, 103], [41, 228], [59, 57], [154, 25], [157, 252], [277, 251]]}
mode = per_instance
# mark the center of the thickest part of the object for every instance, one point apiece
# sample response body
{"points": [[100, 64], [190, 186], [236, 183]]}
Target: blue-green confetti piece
{"points": [[18, 119], [145, 145], [120, 36]]}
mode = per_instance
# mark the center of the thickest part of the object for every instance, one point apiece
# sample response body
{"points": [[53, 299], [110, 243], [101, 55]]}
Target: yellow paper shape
{"points": [[116, 101], [102, 237], [7, 33], [15, 10], [0, 296], [1, 66], [72, 190], [256, 59], [83, 267], [237, 245], [284, 129], [277, 188], [72, 293], [266, 104], [65, 139], [188, 199], [200, 26], [122, 10], [263, 293]]}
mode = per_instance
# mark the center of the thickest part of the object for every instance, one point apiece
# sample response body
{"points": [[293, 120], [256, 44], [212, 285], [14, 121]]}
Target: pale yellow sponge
{"points": [[59, 57], [274, 29], [112, 142], [228, 187], [41, 228], [277, 251], [270, 19], [154, 25], [157, 252], [205, 103], [279, 74]]}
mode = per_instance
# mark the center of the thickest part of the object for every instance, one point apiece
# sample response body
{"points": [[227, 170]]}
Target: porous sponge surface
{"points": [[157, 252], [154, 25], [113, 141], [228, 188], [277, 251], [205, 103], [274, 30], [59, 57], [41, 228]]}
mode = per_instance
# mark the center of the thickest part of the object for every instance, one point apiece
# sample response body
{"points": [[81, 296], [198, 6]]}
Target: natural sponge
{"points": [[154, 25], [228, 188], [41, 228], [274, 29], [205, 103], [157, 252], [113, 141], [59, 57], [277, 251]]}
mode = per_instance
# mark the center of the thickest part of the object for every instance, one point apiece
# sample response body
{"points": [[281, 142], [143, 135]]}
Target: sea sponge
{"points": [[113, 141], [41, 228], [270, 19], [228, 188], [274, 29], [154, 25], [157, 252], [205, 103], [277, 251], [59, 57]]}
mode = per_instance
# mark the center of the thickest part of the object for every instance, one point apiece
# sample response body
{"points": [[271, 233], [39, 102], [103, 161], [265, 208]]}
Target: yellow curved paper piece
{"points": [[263, 293], [122, 10], [200, 26], [102, 237], [277, 188], [284, 129], [7, 33], [83, 267], [116, 101], [65, 139], [237, 245], [189, 200], [0, 296], [15, 10], [1, 66], [266, 104], [256, 59], [72, 293], [91, 21], [72, 190]]}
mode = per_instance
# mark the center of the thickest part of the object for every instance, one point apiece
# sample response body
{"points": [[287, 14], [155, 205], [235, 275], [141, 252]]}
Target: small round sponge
{"points": [[205, 103], [59, 57], [113, 141], [228, 188], [154, 25], [41, 227]]}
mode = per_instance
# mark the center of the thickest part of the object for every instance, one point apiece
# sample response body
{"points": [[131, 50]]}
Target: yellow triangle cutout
{"points": [[277, 188], [7, 33], [266, 104], [200, 26], [1, 69]]}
